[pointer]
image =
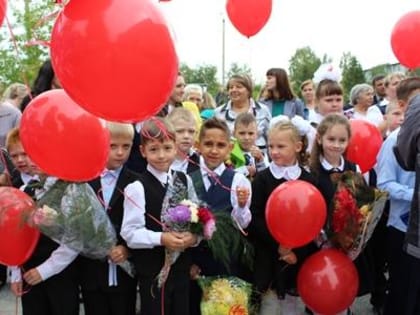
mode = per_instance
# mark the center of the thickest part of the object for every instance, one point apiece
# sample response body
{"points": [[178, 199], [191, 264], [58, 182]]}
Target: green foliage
{"points": [[229, 243], [235, 68], [352, 73], [26, 26], [302, 66], [203, 74]]}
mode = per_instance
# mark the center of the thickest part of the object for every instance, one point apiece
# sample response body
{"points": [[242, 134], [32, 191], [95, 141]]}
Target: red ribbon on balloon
{"points": [[249, 16], [295, 213]]}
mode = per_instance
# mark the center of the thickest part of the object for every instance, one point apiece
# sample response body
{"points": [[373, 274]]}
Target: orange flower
{"points": [[238, 310]]}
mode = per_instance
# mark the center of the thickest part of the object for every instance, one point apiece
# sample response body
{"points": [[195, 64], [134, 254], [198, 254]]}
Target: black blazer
{"points": [[94, 273]]}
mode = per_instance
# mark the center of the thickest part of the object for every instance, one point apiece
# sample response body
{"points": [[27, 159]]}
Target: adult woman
{"points": [[307, 89], [45, 81], [361, 97], [14, 94], [280, 99], [240, 89]]}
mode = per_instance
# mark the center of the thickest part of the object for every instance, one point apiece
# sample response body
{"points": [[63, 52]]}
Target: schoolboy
{"points": [[142, 229], [223, 190], [184, 123], [106, 287], [247, 155], [25, 171], [47, 281], [400, 183]]}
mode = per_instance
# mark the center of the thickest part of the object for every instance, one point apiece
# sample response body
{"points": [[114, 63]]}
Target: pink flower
{"points": [[209, 228]]}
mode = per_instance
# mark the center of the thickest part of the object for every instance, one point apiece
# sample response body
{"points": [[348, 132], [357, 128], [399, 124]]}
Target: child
{"points": [[400, 185], [21, 161], [327, 158], [246, 156], [223, 190], [394, 116], [106, 288], [142, 230], [272, 275], [47, 281], [329, 99], [184, 123]]}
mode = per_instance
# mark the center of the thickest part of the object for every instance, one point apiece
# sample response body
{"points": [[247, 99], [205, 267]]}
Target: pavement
{"points": [[9, 305]]}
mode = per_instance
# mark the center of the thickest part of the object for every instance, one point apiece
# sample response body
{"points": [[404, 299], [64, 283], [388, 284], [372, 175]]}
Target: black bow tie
{"points": [[334, 170]]}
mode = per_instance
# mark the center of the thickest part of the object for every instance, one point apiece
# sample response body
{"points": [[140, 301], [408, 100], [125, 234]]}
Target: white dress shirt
{"points": [[133, 229], [241, 215], [59, 259]]}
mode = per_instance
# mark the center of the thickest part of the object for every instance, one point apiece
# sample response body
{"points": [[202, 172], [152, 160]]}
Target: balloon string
{"points": [[41, 22]]}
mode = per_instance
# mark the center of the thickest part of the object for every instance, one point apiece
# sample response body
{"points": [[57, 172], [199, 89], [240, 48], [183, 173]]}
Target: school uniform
{"points": [[400, 186], [363, 262], [188, 165], [217, 188], [142, 230], [58, 293], [106, 287], [269, 271], [136, 162]]}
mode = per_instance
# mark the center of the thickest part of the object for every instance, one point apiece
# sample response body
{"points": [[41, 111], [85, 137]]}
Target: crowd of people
{"points": [[231, 157]]}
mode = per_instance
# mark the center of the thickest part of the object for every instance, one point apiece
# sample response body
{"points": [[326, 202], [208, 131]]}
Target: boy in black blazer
{"points": [[106, 288]]}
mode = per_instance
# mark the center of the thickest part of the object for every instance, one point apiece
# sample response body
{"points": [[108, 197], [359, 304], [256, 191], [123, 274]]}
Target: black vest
{"points": [[217, 197], [149, 261]]}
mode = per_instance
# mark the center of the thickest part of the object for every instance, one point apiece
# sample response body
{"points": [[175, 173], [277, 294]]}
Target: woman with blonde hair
{"points": [[14, 94]]}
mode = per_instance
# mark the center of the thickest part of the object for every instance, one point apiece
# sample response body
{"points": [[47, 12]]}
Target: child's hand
{"points": [[251, 170], [190, 239], [257, 153], [287, 255], [194, 272], [32, 277], [16, 288], [172, 240], [118, 254], [242, 194]]}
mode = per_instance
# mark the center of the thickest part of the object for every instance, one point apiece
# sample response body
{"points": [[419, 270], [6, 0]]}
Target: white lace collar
{"points": [[287, 172]]}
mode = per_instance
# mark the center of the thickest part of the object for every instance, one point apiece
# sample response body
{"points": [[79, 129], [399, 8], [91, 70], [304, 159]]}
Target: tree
{"points": [[203, 75], [26, 26], [302, 66], [235, 68], [352, 73]]}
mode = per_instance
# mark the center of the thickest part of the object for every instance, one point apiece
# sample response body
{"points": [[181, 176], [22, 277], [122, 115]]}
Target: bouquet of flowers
{"points": [[356, 211], [225, 296], [185, 216], [71, 214]]}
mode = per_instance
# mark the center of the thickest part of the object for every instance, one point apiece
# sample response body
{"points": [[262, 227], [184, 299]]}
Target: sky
{"points": [[362, 27]]}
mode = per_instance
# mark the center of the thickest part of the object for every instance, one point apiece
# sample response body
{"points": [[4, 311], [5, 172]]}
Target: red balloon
{"points": [[115, 58], [249, 16], [62, 138], [3, 9], [364, 145], [328, 282], [17, 239], [295, 213], [405, 40]]}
